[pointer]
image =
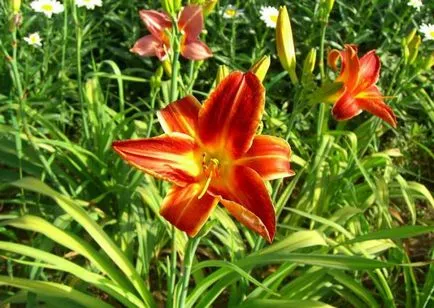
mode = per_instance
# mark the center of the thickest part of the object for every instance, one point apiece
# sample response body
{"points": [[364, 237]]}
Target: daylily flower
{"points": [[211, 154], [190, 23], [359, 91]]}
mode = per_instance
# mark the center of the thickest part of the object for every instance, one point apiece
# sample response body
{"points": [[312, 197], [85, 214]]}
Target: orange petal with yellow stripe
{"points": [[245, 196], [183, 209], [371, 101], [269, 156], [230, 116], [169, 157], [180, 116]]}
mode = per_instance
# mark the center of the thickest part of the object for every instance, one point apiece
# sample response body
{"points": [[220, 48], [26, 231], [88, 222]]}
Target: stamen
{"points": [[211, 168]]}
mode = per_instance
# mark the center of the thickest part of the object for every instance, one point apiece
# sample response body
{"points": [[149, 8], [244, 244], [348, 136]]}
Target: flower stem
{"points": [[322, 114], [190, 251], [78, 34]]}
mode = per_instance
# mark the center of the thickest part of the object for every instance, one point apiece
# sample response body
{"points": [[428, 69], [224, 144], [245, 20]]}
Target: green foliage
{"points": [[355, 224]]}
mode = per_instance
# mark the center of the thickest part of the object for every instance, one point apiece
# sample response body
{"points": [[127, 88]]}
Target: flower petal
{"points": [[346, 107], [332, 59], [371, 101], [269, 156], [169, 157], [148, 46], [156, 22], [180, 116], [195, 50], [245, 196], [230, 116], [183, 209], [350, 67], [191, 21], [369, 70]]}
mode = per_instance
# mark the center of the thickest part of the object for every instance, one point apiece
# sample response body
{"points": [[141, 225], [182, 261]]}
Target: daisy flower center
{"points": [[47, 7], [231, 12]]}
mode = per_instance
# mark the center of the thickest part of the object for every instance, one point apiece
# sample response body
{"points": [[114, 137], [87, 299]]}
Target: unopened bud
{"points": [[285, 44], [167, 66], [428, 62], [260, 68], [15, 5], [171, 6], [309, 62], [222, 73], [413, 48]]}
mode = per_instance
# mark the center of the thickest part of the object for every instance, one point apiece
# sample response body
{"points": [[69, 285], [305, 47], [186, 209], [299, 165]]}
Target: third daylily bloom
{"points": [[211, 154], [190, 24], [359, 91]]}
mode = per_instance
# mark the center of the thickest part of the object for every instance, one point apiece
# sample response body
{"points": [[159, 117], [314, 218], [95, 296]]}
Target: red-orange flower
{"points": [[211, 154], [359, 91], [157, 43]]}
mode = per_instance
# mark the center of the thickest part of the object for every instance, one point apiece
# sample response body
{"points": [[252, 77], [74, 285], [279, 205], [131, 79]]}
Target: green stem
{"points": [[188, 261], [171, 282], [79, 37], [322, 113], [16, 120], [321, 51], [174, 81]]}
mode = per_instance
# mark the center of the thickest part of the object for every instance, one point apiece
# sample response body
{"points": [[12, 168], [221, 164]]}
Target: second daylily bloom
{"points": [[211, 154], [359, 91], [190, 24]]}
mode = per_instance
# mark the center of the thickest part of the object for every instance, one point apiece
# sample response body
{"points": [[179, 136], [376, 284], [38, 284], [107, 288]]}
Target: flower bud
{"points": [[208, 7], [15, 5], [167, 66], [222, 73], [260, 68], [410, 46], [413, 48], [428, 62], [171, 6], [285, 44], [325, 8], [308, 66], [309, 62]]}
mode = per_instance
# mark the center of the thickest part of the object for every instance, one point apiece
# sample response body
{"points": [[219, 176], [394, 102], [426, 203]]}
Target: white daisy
{"points": [[48, 7], [232, 12], [417, 4], [269, 15], [89, 4], [428, 31], [34, 39]]}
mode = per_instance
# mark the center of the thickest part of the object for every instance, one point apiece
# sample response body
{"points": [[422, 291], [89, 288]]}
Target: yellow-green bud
{"points": [[413, 48], [260, 68], [15, 5], [285, 44], [171, 6], [222, 73], [309, 62], [428, 62], [167, 66]]}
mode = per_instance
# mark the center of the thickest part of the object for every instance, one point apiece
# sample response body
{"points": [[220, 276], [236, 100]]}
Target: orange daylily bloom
{"points": [[359, 91], [211, 154], [157, 43]]}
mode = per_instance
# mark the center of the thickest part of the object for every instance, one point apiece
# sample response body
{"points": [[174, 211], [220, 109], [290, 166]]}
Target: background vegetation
{"points": [[354, 225]]}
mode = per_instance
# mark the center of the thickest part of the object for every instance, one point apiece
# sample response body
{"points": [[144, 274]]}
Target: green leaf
{"points": [[94, 230], [52, 289], [282, 303]]}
